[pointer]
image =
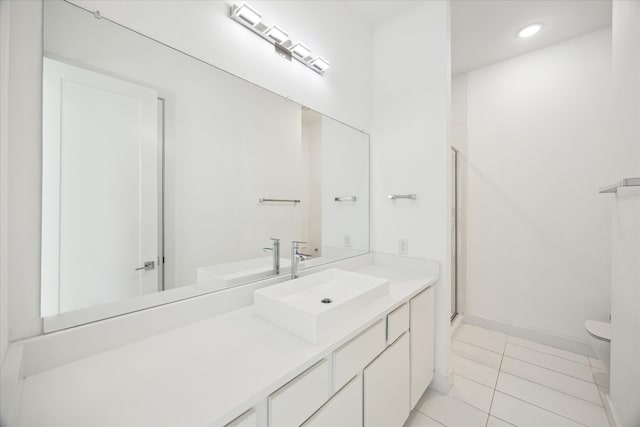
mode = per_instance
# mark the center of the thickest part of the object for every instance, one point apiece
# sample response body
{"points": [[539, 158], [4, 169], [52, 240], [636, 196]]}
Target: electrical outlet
{"points": [[347, 240], [403, 246]]}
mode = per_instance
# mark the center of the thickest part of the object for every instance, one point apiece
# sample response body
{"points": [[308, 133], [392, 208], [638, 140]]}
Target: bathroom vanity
{"points": [[239, 369]]}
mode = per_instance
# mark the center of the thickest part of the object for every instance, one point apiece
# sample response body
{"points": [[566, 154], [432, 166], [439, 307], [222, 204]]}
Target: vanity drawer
{"points": [[352, 357], [294, 402], [397, 322]]}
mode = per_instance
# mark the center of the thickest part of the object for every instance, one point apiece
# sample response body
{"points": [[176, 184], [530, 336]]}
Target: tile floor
{"points": [[501, 380]]}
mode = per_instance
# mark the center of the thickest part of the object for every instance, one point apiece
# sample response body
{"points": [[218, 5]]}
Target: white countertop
{"points": [[200, 374]]}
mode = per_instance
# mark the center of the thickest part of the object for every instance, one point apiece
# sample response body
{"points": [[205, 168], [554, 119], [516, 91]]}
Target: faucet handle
{"points": [[275, 240], [297, 243]]}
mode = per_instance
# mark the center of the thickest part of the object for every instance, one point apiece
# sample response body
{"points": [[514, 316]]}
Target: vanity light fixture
{"points": [[529, 31], [300, 50], [250, 18], [277, 34], [248, 13], [320, 63]]}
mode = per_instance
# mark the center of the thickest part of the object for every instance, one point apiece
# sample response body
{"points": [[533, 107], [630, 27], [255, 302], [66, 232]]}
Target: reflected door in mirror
{"points": [[100, 189]]}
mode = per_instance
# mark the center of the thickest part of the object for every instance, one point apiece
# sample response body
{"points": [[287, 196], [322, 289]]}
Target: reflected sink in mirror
{"points": [[224, 275], [313, 306]]}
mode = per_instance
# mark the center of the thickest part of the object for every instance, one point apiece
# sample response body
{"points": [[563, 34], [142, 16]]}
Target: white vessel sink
{"points": [[225, 275], [297, 305]]}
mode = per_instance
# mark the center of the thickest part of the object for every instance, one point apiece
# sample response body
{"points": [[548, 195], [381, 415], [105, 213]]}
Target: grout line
{"points": [[476, 381], [540, 407], [551, 369], [476, 345], [496, 384], [550, 388], [588, 364], [504, 421], [431, 418]]}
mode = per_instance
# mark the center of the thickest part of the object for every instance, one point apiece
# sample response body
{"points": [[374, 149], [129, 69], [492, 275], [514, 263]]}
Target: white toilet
{"points": [[600, 333]]}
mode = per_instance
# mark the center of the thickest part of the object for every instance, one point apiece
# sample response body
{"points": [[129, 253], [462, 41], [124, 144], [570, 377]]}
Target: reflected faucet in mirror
{"points": [[296, 257], [275, 249]]}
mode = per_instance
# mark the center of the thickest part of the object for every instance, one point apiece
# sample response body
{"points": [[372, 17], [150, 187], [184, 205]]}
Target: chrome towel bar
{"points": [[345, 199]]}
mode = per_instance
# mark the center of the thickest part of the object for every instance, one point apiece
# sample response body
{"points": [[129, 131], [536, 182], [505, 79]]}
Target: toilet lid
{"points": [[599, 330]]}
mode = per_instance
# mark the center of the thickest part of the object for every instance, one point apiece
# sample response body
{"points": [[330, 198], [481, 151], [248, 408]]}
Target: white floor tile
{"points": [[477, 354], [471, 392], [602, 378], [523, 414], [596, 363], [449, 411], [476, 371], [550, 350], [560, 403], [416, 419], [497, 422], [485, 338], [548, 361], [552, 379]]}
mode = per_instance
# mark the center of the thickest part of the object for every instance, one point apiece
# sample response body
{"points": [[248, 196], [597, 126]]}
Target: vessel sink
{"points": [[224, 275], [313, 306]]}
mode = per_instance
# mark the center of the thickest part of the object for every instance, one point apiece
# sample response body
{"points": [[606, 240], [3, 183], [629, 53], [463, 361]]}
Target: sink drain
{"points": [[326, 301]]}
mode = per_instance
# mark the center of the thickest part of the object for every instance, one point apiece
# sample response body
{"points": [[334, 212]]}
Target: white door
{"points": [[100, 189]]}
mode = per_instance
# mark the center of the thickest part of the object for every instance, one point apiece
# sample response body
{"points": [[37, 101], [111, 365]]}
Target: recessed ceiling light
{"points": [[249, 14], [277, 34], [529, 30]]}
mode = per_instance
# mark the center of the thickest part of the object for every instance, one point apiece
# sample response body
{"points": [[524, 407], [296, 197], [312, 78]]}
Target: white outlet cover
{"points": [[347, 240], [403, 246]]}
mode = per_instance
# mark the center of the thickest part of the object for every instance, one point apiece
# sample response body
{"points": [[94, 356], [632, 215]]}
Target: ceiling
{"points": [[484, 31]]}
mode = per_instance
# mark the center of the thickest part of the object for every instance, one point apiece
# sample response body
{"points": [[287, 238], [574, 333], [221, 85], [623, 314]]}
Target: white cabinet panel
{"points": [[422, 343], [352, 357], [296, 401], [386, 387], [248, 419], [343, 410], [397, 323]]}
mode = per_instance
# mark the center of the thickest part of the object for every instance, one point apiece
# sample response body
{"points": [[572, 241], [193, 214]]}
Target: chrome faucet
{"points": [[296, 257], [275, 249]]}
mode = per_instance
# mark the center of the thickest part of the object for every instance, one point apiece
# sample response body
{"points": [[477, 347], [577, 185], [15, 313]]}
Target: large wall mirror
{"points": [[165, 177]]}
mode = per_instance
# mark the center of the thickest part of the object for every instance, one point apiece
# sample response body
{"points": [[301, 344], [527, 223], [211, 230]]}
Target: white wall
{"points": [[625, 210], [21, 237], [312, 163], [345, 172], [4, 175], [204, 30], [539, 136], [411, 63], [459, 142]]}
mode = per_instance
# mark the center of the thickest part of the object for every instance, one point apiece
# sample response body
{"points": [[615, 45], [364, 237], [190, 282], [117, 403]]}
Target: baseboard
{"points": [[611, 409], [558, 341], [456, 324], [442, 383]]}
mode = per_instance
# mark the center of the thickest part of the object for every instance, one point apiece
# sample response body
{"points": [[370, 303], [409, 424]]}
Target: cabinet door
{"points": [[422, 343], [343, 410], [386, 387]]}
